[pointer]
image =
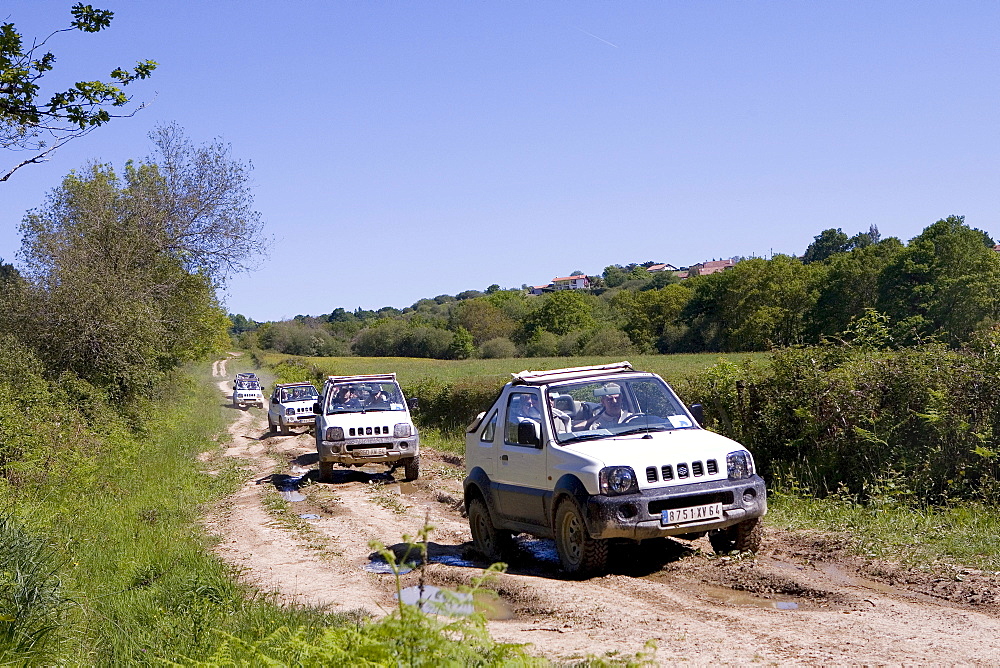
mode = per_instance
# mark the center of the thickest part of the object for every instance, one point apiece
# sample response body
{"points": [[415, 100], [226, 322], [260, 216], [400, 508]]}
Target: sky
{"points": [[406, 149]]}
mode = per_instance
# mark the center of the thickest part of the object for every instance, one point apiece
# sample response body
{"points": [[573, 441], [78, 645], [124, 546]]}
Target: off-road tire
{"points": [[270, 424], [411, 468], [742, 537], [488, 540], [325, 471], [580, 555]]}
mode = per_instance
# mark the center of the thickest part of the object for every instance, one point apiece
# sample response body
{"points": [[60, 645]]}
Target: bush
{"points": [[836, 418], [499, 348]]}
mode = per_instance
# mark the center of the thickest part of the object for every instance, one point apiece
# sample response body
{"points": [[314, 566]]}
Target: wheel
{"points": [[270, 424], [492, 543], [325, 471], [742, 537], [411, 468], [580, 555]]}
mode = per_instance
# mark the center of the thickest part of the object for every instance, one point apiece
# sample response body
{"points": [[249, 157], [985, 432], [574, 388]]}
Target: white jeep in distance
{"points": [[588, 455], [363, 420], [246, 391], [291, 405]]}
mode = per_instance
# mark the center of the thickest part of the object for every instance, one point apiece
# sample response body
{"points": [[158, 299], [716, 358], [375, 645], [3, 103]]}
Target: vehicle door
{"points": [[482, 445], [521, 466]]}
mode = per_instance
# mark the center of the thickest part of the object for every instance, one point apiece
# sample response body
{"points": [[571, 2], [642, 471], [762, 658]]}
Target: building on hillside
{"points": [[656, 268], [711, 267], [539, 289], [571, 283]]}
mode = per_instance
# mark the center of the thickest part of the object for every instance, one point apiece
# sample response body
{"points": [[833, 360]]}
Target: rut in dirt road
{"points": [[802, 600]]}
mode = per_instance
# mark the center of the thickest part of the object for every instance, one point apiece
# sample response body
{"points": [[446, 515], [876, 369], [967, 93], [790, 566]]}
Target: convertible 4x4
{"points": [[292, 405], [363, 420], [591, 455], [246, 391]]}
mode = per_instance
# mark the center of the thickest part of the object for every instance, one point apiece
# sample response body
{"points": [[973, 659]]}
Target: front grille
{"points": [[668, 472], [368, 431], [683, 471], [697, 468], [713, 467], [656, 507], [650, 474]]}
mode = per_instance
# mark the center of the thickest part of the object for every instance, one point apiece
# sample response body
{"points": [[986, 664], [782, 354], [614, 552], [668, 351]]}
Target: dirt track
{"points": [[801, 601]]}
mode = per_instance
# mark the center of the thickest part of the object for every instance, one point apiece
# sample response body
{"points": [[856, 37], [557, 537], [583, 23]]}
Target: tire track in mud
{"points": [[697, 607]]}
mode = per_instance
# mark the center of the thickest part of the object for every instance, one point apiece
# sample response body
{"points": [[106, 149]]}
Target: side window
{"points": [[491, 429], [523, 410]]}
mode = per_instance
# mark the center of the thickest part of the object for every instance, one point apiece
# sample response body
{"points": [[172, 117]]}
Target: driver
{"points": [[611, 411]]}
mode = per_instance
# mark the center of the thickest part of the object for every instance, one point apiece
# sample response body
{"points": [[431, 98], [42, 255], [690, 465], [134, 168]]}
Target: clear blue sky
{"points": [[409, 149]]}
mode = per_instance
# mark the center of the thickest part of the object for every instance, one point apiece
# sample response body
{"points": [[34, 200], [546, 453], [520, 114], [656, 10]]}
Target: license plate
{"points": [[369, 452], [710, 511]]}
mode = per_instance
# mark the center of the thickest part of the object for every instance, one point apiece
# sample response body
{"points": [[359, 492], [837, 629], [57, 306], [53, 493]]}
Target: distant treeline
{"points": [[939, 287]]}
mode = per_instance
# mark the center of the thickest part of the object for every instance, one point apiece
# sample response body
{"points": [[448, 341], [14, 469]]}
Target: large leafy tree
{"points": [[121, 270], [38, 123], [943, 284], [756, 305]]}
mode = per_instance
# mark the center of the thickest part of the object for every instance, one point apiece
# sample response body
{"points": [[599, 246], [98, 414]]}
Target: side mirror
{"points": [[413, 403], [529, 433], [698, 412], [316, 408]]}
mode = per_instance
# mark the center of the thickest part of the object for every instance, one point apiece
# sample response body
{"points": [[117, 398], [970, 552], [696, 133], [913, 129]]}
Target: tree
{"points": [[943, 284], [826, 243], [31, 123], [561, 312], [483, 320], [121, 271]]}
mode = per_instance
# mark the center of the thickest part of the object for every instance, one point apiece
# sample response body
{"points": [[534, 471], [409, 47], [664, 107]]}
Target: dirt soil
{"points": [[802, 600]]}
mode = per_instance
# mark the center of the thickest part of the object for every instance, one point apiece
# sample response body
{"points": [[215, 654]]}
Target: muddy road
{"points": [[803, 600]]}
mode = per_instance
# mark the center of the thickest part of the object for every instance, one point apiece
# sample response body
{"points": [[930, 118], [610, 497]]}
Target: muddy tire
{"points": [[325, 471], [742, 537], [411, 468], [270, 425], [488, 540], [581, 556]]}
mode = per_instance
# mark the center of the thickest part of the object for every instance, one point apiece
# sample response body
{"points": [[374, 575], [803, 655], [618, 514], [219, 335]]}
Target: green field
{"points": [[410, 369]]}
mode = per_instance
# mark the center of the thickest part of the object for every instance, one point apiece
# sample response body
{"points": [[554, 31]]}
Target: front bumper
{"points": [[637, 516], [305, 418], [357, 451]]}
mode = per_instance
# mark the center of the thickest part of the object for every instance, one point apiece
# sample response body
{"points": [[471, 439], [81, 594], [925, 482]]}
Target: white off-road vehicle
{"points": [[363, 420], [590, 455], [246, 391], [291, 405]]}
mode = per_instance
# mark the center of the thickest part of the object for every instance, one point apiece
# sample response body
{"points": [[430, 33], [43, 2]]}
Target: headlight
{"points": [[402, 430], [615, 480], [289, 411], [739, 465], [335, 433]]}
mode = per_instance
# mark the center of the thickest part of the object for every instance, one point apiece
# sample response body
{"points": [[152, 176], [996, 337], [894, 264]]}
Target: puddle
{"points": [[451, 560], [292, 495], [734, 597], [539, 548], [310, 516], [382, 568], [406, 488], [440, 601], [288, 488]]}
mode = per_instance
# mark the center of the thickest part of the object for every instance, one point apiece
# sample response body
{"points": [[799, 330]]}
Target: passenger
{"points": [[561, 420], [611, 412], [345, 398]]}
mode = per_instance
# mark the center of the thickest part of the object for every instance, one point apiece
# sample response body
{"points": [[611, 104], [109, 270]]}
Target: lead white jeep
{"points": [[363, 420], [291, 405], [589, 455]]}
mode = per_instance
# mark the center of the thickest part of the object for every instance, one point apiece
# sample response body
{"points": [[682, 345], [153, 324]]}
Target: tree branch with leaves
{"points": [[28, 121]]}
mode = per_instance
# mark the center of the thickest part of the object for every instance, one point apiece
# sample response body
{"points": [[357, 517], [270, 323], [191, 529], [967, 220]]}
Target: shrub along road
{"points": [[803, 599]]}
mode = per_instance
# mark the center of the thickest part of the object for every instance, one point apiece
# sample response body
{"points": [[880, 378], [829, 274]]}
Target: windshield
{"points": [[363, 397], [301, 393], [247, 385], [591, 409]]}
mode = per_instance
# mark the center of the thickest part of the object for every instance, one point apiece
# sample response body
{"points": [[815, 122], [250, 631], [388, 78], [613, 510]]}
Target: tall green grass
{"points": [[412, 369]]}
